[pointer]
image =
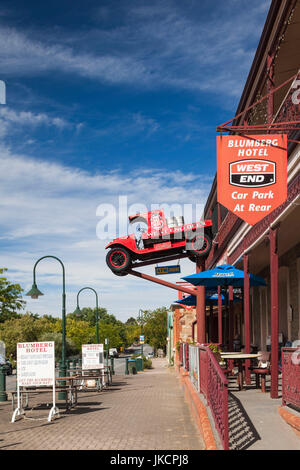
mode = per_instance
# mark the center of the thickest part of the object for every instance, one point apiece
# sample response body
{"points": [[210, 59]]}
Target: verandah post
{"points": [[247, 315], [273, 236], [220, 333], [231, 312], [200, 308]]}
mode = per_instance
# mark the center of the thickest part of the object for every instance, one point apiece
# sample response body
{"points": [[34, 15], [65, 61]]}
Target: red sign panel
{"points": [[252, 174]]}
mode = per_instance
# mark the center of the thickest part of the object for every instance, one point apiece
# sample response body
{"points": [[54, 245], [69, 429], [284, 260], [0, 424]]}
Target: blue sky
{"points": [[108, 99]]}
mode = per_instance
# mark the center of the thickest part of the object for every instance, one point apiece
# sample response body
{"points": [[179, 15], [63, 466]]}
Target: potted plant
{"points": [[216, 352]]}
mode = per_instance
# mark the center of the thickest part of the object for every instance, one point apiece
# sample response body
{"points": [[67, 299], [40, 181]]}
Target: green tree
{"points": [[22, 330], [10, 298], [70, 350], [131, 321], [155, 328], [112, 332], [90, 315], [132, 333]]}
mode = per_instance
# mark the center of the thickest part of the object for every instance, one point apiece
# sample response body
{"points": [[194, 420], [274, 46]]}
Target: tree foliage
{"points": [[155, 327], [90, 315], [10, 298], [22, 330]]}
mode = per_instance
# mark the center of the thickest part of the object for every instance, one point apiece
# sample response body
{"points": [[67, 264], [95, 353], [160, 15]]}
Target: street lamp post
{"points": [[34, 293], [78, 311], [141, 321]]}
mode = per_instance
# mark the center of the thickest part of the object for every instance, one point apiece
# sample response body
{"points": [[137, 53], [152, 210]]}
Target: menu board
{"points": [[92, 356], [36, 364]]}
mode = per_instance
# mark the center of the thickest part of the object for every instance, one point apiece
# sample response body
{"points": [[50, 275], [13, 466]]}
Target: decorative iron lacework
{"points": [[264, 224]]}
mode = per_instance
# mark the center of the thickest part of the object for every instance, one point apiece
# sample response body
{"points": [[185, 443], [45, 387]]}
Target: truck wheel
{"points": [[199, 245], [118, 260]]}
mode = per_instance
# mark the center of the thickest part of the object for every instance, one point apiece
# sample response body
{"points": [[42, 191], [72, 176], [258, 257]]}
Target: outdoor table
{"points": [[89, 374], [239, 358], [70, 389]]}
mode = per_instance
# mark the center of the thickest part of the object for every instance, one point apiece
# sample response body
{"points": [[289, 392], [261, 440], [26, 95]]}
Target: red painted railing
{"points": [[290, 360], [186, 362], [181, 353], [214, 386], [217, 397], [203, 370]]}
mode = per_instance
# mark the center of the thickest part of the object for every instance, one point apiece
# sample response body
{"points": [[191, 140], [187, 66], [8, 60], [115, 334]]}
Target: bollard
{"points": [[3, 394], [126, 366], [139, 364], [112, 365], [132, 365]]}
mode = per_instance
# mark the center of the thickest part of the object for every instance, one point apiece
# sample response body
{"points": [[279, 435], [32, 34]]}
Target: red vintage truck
{"points": [[159, 237]]}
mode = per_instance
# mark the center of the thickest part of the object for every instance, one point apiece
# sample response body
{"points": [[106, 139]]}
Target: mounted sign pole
{"points": [[252, 174], [180, 288]]}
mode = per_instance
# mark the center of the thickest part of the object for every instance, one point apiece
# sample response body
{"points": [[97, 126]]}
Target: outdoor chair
{"points": [[228, 368], [262, 369]]}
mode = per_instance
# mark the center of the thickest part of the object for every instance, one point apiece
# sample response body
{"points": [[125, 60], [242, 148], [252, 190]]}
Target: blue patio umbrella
{"points": [[209, 300], [190, 301], [224, 275]]}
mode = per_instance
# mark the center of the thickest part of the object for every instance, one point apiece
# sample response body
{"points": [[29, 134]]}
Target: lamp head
{"points": [[77, 312], [34, 292]]}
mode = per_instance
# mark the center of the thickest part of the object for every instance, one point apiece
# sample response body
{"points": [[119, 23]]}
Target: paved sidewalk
{"points": [[144, 411], [254, 421]]}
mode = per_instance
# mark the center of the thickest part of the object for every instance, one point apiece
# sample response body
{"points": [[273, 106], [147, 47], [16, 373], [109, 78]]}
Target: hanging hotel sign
{"points": [[159, 270], [252, 174]]}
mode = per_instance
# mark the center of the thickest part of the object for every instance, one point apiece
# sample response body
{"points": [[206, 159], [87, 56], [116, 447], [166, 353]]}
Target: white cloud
{"points": [[157, 45], [50, 209], [12, 120]]}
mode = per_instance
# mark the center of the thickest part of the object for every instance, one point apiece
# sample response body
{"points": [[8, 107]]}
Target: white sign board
{"points": [[36, 364], [92, 356]]}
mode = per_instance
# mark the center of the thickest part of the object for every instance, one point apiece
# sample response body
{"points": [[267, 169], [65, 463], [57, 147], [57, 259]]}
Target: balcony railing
{"points": [[288, 114]]}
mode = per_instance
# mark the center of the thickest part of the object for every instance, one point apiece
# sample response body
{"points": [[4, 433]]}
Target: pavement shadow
{"points": [[118, 384], [242, 433], [10, 445], [82, 410]]}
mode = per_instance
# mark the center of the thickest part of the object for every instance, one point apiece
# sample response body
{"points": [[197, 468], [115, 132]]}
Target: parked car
{"points": [[113, 352], [7, 367], [150, 355], [159, 237]]}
